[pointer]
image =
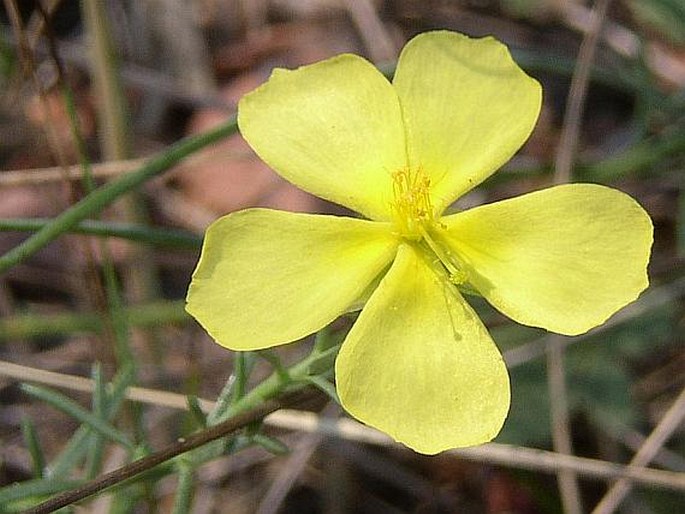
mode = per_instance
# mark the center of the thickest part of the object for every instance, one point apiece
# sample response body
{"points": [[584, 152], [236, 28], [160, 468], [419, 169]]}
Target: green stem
{"points": [[113, 110], [275, 385], [132, 232], [268, 396], [76, 448], [96, 444], [28, 430], [183, 501], [36, 325], [105, 195]]}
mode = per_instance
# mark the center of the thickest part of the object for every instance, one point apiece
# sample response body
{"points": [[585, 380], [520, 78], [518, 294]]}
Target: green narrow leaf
{"points": [[196, 411], [39, 325], [132, 232], [241, 375], [271, 444], [28, 430], [96, 443], [680, 221], [325, 386], [223, 402], [105, 195], [183, 501], [35, 489], [77, 446], [324, 340], [74, 410], [321, 362], [234, 388], [272, 358]]}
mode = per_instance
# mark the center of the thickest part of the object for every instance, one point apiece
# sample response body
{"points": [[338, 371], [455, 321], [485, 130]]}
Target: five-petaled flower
{"points": [[418, 363]]}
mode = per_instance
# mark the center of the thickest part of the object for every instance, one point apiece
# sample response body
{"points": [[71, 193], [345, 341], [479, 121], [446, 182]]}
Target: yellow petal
{"points": [[564, 258], [467, 108], [419, 365], [333, 128], [268, 277]]}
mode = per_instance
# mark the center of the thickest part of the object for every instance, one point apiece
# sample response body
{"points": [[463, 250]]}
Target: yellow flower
{"points": [[418, 363]]}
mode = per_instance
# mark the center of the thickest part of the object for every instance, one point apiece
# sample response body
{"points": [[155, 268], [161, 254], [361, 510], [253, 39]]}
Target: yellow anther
{"points": [[415, 219], [411, 205]]}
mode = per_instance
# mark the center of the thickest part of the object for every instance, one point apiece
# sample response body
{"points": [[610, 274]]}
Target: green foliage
{"points": [[599, 376], [665, 16]]}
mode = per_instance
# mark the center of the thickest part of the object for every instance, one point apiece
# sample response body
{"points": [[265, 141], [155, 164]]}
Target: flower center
{"points": [[414, 219], [411, 206]]}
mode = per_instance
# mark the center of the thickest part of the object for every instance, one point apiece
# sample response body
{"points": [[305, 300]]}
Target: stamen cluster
{"points": [[411, 206]]}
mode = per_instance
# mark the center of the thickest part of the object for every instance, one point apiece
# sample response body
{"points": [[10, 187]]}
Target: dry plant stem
{"points": [[561, 432], [29, 66], [138, 276], [669, 423], [37, 24], [576, 96], [493, 453], [22, 41], [182, 446], [55, 146], [280, 487], [376, 38], [113, 169], [665, 458], [112, 107], [293, 468], [91, 282], [40, 176], [666, 65], [139, 76]]}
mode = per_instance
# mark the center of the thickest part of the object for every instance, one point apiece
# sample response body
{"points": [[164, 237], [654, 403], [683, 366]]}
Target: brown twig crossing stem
{"points": [[181, 446], [668, 424]]}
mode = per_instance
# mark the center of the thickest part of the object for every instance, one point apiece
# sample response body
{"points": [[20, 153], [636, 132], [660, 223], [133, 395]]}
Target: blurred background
{"points": [[102, 85]]}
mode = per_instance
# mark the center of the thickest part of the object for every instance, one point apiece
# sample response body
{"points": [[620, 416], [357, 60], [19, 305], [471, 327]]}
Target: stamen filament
{"points": [[457, 276]]}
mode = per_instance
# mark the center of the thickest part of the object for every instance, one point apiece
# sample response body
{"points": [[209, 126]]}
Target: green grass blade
{"points": [[105, 195], [132, 232], [74, 410], [28, 430]]}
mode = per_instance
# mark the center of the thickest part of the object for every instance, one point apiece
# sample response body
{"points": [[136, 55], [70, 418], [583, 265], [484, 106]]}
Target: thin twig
{"points": [[494, 453], [561, 425], [37, 24], [665, 458], [111, 169], [561, 431], [141, 77], [40, 176], [112, 106], [668, 424], [372, 31], [301, 454], [665, 64], [181, 446], [576, 96]]}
